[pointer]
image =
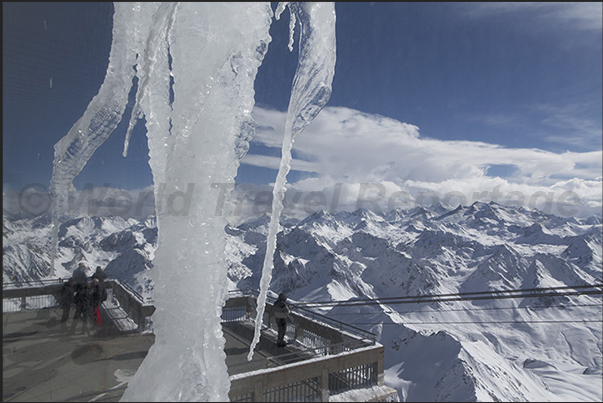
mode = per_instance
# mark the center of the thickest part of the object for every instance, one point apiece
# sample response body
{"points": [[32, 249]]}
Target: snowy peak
{"points": [[437, 351], [538, 234]]}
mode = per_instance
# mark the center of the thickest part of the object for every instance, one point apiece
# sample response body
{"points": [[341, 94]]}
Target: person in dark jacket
{"points": [[83, 300], [99, 295], [100, 275], [281, 314], [79, 275], [67, 298]]}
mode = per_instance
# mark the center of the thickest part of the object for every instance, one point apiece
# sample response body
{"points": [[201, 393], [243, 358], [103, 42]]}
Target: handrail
{"points": [[30, 283], [254, 384], [339, 347], [341, 326], [338, 324], [58, 281], [131, 290], [299, 311], [135, 305], [328, 361]]}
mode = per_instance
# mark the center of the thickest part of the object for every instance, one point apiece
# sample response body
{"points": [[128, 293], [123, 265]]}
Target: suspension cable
{"points": [[595, 289]]}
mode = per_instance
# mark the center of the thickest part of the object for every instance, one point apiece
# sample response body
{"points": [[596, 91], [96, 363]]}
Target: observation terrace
{"points": [[325, 360]]}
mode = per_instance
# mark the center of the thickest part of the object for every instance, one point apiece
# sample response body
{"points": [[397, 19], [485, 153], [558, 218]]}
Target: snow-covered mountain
{"points": [[527, 349]]}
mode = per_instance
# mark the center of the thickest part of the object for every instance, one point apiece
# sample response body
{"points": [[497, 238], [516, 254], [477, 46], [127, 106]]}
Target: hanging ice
{"points": [[195, 65], [101, 117], [310, 92]]}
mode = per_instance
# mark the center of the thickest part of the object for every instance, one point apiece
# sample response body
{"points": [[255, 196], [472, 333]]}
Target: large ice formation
{"points": [[195, 65]]}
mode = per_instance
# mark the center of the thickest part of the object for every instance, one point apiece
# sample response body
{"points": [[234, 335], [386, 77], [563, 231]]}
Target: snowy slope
{"points": [[527, 349]]}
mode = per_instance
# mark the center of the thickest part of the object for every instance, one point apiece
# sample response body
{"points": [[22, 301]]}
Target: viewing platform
{"points": [[325, 360]]}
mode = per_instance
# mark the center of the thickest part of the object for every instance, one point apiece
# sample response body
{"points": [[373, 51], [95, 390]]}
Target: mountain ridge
{"points": [[440, 351]]}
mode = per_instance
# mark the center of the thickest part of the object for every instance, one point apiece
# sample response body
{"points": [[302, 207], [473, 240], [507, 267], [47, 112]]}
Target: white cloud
{"points": [[346, 144], [274, 162], [583, 15], [348, 147], [573, 15], [362, 160]]}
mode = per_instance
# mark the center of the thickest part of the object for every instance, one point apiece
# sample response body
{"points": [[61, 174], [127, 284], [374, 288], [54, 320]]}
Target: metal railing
{"points": [[337, 357], [302, 312], [32, 283], [38, 294], [34, 294], [362, 376], [138, 308], [307, 390], [288, 377], [354, 369], [32, 302]]}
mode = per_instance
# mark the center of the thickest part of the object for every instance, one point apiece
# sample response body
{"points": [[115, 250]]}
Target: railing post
{"points": [[380, 367], [324, 385], [140, 319], [248, 308], [271, 322], [258, 392], [23, 303]]}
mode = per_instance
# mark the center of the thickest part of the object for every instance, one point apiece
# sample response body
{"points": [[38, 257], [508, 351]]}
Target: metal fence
{"points": [[362, 376], [360, 369], [28, 302], [234, 314], [306, 313], [33, 294], [39, 294], [32, 283], [248, 397], [307, 390], [312, 339]]}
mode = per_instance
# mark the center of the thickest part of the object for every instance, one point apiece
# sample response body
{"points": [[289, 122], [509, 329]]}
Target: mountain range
{"points": [[539, 348]]}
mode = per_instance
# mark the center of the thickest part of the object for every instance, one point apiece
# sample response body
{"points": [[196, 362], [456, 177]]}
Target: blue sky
{"points": [[425, 96]]}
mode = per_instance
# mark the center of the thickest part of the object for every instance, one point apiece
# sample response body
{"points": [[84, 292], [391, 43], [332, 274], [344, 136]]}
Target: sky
{"points": [[451, 99]]}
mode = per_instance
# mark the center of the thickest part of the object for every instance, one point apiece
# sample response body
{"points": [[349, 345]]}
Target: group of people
{"points": [[86, 294]]}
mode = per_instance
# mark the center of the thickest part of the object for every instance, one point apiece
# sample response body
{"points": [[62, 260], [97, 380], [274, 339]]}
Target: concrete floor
{"points": [[42, 362]]}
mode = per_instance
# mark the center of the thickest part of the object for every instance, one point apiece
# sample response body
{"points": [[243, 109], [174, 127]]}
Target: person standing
{"points": [[79, 275], [67, 297], [281, 314], [100, 275], [82, 301], [99, 295]]}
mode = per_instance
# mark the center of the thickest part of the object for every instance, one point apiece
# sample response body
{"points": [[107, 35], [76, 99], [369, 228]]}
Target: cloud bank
{"points": [[357, 160], [345, 148]]}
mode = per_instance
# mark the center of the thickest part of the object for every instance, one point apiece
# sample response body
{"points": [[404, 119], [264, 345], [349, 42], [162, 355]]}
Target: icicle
{"points": [[136, 114], [212, 51], [277, 15], [310, 92], [196, 64], [103, 114]]}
